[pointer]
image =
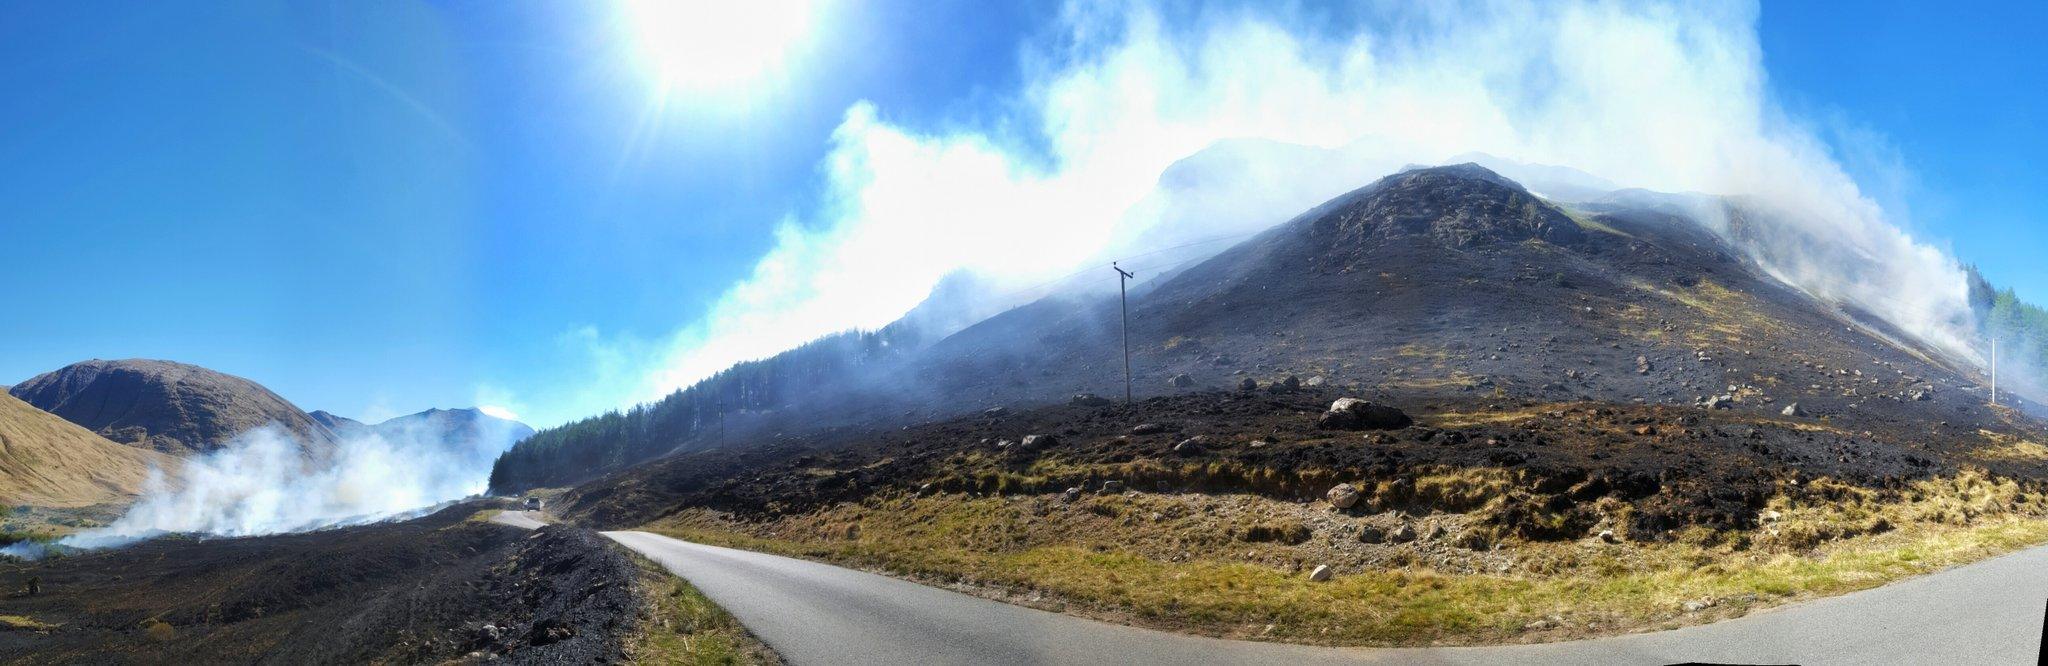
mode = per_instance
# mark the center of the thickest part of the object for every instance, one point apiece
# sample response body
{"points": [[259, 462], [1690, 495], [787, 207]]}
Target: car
{"points": [[534, 503]]}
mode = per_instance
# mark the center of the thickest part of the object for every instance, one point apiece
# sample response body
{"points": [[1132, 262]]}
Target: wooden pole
{"points": [[1123, 295]]}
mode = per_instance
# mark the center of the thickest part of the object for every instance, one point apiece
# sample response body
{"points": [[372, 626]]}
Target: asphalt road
{"points": [[1985, 613]]}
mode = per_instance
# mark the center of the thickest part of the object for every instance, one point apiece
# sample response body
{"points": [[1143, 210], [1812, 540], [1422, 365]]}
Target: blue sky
{"points": [[376, 208]]}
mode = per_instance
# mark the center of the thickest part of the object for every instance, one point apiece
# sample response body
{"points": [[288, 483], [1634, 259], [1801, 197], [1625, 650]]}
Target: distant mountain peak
{"points": [[175, 408], [1458, 205]]}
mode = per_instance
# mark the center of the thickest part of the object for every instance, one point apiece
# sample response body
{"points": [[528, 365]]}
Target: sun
{"points": [[699, 45]]}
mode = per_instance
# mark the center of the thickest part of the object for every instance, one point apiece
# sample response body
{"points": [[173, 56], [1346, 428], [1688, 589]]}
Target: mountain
{"points": [[46, 461], [343, 427], [167, 407], [469, 427], [1431, 284]]}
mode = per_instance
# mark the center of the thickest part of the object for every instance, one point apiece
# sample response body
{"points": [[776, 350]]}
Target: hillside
{"points": [[1601, 397], [1435, 282], [167, 407], [46, 461]]}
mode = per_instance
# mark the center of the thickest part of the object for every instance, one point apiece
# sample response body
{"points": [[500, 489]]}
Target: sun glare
{"points": [[712, 45]]}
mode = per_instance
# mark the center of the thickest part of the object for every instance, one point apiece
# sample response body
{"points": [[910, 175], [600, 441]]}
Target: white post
{"points": [[1994, 372]]}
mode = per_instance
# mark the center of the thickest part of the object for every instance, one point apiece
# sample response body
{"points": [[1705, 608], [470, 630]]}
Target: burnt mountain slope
{"points": [[1447, 282], [168, 407]]}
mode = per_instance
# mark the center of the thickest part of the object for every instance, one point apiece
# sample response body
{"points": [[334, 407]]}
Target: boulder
{"points": [[1315, 381], [1342, 496], [1112, 487], [1793, 410], [1182, 380], [1721, 402], [1071, 494], [1321, 573], [1356, 414], [1089, 400], [1402, 534], [1148, 429], [1192, 446], [1290, 384], [995, 411], [1035, 442], [1248, 384]]}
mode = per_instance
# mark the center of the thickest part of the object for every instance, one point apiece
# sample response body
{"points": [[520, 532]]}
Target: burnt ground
{"points": [[1675, 466], [418, 591]]}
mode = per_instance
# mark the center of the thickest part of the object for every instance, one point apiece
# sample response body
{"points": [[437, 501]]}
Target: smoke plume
{"points": [[263, 483], [1139, 128]]}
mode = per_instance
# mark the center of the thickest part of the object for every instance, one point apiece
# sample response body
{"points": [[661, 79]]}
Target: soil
{"points": [[417, 591]]}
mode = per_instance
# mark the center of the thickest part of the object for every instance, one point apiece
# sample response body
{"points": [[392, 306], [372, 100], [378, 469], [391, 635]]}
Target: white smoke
{"points": [[1082, 169], [265, 482]]}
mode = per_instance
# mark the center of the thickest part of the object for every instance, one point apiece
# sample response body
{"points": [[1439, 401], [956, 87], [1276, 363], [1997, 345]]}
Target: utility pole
{"points": [[1994, 371], [1123, 295]]}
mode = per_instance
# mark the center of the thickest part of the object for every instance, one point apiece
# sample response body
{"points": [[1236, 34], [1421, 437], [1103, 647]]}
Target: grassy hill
{"points": [[47, 461]]}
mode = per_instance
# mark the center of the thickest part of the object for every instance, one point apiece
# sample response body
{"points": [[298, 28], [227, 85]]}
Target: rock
{"points": [[1793, 410], [1645, 430], [1035, 442], [1088, 400], [1071, 494], [1148, 429], [1402, 534], [1608, 536], [1371, 534], [1322, 573], [1356, 414], [995, 411], [1342, 496], [1539, 625], [1191, 446], [1643, 365], [1004, 444], [1112, 487], [1922, 395], [1695, 606], [1315, 381], [1291, 384], [1720, 402], [1181, 380], [1257, 444], [925, 489], [1248, 384]]}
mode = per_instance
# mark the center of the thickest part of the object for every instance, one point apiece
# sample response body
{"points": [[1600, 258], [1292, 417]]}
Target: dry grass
{"points": [[1224, 565], [685, 627], [2008, 447], [23, 623]]}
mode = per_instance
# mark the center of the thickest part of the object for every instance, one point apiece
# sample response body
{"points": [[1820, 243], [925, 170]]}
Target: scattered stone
{"points": [[1322, 573], [1191, 446], [1315, 381], [995, 411], [1356, 414], [1643, 365], [1539, 625], [1721, 402], [1371, 534], [1793, 410], [1035, 442], [1402, 534], [1695, 606], [1148, 429], [1342, 496], [1182, 380], [1071, 494], [1645, 430], [1609, 537], [1257, 444], [925, 489], [1112, 487], [1248, 384], [1922, 395], [1004, 444], [1291, 384]]}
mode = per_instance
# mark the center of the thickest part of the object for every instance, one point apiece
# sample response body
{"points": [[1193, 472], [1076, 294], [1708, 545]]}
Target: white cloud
{"points": [[1657, 96]]}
